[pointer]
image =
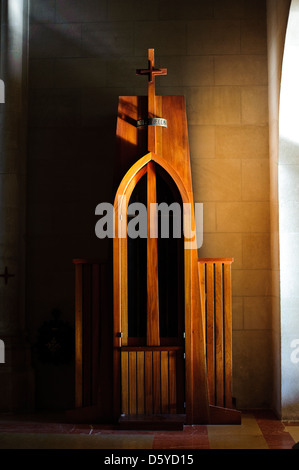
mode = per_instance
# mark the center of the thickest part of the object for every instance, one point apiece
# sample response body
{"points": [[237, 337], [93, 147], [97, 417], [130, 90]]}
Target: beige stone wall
{"points": [[228, 121], [83, 55]]}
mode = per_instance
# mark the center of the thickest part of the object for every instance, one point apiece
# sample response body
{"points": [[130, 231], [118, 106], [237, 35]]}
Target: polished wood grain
{"points": [[140, 383], [150, 381], [153, 336]]}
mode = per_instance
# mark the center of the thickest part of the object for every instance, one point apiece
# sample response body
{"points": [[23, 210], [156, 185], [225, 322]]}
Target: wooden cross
{"points": [[151, 71], [6, 275]]}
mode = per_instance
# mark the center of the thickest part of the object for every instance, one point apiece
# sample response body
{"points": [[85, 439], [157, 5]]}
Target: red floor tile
{"points": [[274, 431], [192, 437]]}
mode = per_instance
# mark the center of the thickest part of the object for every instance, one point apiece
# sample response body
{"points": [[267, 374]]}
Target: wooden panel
{"points": [[172, 382], [140, 382], [219, 334], [164, 383], [132, 383], [156, 382], [148, 383], [92, 328], [125, 382], [152, 381]]}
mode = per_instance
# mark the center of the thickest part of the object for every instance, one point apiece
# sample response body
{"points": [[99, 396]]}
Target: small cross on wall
{"points": [[6, 275]]}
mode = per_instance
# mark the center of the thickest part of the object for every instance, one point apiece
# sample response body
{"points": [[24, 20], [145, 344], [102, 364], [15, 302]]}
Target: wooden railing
{"points": [[152, 380], [216, 298]]}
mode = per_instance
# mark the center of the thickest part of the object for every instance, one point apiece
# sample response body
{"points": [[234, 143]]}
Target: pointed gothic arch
{"points": [[120, 281]]}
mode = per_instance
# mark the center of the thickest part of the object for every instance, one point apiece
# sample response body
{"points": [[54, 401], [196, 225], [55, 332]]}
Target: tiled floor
{"points": [[258, 430]]}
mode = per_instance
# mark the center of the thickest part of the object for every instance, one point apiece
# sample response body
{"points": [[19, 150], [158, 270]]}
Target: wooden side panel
{"points": [[92, 322], [97, 289], [218, 318], [87, 330]]}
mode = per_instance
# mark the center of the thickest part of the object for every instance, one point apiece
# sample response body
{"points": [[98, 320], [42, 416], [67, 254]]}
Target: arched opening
{"points": [[170, 254], [149, 289]]}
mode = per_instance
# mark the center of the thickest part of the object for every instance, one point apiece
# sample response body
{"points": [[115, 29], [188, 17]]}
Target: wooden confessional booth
{"points": [[161, 350]]}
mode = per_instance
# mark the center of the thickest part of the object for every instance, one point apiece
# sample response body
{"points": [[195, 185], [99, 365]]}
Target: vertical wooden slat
{"points": [[95, 327], [164, 382], [87, 334], [228, 335], [202, 283], [219, 333], [153, 337], [132, 383], [125, 382], [148, 380], [140, 382], [210, 333], [172, 382], [78, 334], [156, 382]]}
